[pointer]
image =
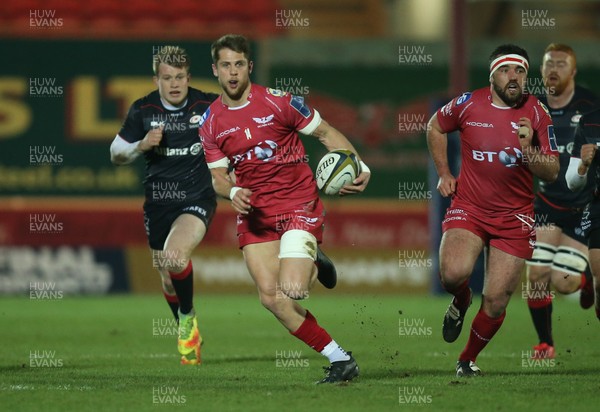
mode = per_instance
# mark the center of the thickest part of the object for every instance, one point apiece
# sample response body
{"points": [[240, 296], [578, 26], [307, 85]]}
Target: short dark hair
{"points": [[508, 49], [235, 42]]}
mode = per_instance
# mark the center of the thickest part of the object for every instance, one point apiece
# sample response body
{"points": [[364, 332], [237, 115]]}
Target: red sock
{"points": [[171, 298], [483, 330], [312, 334], [583, 281], [538, 303], [183, 274], [462, 295]]}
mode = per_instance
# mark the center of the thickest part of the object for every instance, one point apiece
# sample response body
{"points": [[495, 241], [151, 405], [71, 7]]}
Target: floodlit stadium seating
{"points": [[138, 18]]}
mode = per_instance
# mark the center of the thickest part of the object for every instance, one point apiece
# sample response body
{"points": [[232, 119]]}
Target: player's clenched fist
{"points": [[152, 138], [525, 132], [241, 201], [446, 185], [588, 151]]}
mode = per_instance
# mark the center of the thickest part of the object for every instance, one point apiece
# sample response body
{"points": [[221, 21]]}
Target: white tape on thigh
{"points": [[569, 260], [298, 244], [543, 254]]}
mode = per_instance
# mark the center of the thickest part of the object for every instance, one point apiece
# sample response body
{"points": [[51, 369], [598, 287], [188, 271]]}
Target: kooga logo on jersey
{"points": [[479, 124], [226, 132]]}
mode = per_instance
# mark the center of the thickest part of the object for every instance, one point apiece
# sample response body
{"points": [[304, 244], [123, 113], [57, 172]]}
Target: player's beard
{"points": [[236, 94], [556, 88], [505, 97]]}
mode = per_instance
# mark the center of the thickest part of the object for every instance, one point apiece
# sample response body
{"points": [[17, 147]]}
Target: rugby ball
{"points": [[335, 170]]}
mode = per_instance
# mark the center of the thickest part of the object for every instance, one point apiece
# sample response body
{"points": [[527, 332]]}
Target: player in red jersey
{"points": [[253, 130], [506, 139]]}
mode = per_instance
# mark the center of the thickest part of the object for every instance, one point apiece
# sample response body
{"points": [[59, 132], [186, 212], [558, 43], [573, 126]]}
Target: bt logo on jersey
{"points": [[509, 156]]}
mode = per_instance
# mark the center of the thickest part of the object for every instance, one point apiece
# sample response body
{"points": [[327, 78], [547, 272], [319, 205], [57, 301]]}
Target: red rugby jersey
{"points": [[493, 176], [260, 140]]}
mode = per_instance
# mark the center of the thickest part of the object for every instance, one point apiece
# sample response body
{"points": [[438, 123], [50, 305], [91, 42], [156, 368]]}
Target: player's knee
{"points": [[538, 274], [452, 276], [496, 305], [296, 244], [175, 260], [294, 291], [274, 303], [294, 285], [566, 285], [268, 301]]}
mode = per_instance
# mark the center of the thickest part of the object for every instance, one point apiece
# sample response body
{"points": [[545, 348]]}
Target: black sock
{"points": [[173, 303], [542, 320], [183, 283]]}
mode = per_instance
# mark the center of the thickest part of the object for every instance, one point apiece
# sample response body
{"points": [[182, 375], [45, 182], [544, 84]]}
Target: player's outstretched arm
{"points": [[437, 142], [240, 198], [333, 139], [543, 165]]}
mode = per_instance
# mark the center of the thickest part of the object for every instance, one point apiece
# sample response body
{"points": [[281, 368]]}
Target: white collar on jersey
{"points": [[238, 107], [169, 106], [501, 107]]}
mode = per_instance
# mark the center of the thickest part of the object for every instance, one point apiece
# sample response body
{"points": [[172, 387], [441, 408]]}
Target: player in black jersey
{"points": [[180, 200], [560, 257], [584, 159]]}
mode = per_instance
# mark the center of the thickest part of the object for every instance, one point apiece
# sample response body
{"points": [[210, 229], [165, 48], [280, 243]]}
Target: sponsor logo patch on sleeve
{"points": [[545, 108], [276, 92], [297, 103], [463, 98], [203, 117]]}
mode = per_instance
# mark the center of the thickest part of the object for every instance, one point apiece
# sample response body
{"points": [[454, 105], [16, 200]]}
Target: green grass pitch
{"points": [[118, 353]]}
